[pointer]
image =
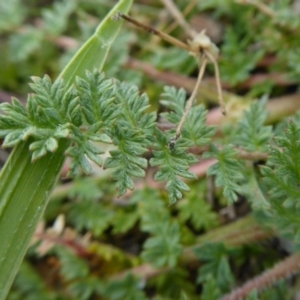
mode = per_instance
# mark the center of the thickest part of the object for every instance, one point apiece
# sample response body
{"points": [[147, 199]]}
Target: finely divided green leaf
{"points": [[172, 165], [228, 170], [252, 135]]}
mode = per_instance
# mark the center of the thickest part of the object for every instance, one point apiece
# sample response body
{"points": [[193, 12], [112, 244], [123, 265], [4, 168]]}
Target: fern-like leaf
{"points": [[97, 103], [173, 165], [129, 288], [195, 129], [282, 176], [216, 258], [252, 134], [46, 118], [97, 96], [163, 249], [228, 170], [194, 208], [127, 159], [56, 18], [132, 134]]}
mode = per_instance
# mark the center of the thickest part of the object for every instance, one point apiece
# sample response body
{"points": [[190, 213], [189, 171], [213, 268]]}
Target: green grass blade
{"points": [[25, 186], [94, 52]]}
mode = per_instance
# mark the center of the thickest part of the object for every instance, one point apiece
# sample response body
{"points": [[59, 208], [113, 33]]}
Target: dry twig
{"points": [[200, 46]]}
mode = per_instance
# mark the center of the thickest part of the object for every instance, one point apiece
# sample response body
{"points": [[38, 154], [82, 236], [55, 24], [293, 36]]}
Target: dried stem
{"points": [[191, 99], [169, 4], [252, 155], [218, 82], [203, 49], [260, 6], [283, 269], [157, 32], [186, 11], [72, 244], [242, 154], [277, 108], [145, 271], [207, 90], [241, 232]]}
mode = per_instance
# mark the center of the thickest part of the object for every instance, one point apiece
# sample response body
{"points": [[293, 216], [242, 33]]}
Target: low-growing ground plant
{"points": [[114, 189]]}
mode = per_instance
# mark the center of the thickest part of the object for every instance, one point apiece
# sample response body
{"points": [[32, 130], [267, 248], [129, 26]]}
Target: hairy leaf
{"points": [[129, 288], [228, 171], [195, 129], [216, 264], [252, 134], [163, 249], [282, 177], [173, 164]]}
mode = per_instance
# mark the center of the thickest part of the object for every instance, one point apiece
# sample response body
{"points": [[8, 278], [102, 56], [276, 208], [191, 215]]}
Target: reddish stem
{"points": [[283, 269]]}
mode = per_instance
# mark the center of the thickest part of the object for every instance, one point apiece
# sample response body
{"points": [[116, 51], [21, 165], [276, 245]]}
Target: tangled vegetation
{"points": [[215, 216]]}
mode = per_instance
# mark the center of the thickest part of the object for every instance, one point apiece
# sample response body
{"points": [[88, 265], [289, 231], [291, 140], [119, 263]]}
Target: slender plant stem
{"points": [[207, 91], [179, 17], [191, 100], [218, 82], [260, 6], [186, 11], [157, 32], [283, 269]]}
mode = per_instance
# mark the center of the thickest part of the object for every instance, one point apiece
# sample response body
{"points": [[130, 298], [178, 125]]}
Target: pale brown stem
{"points": [[79, 249], [218, 82], [260, 6], [157, 32], [145, 271], [186, 11], [277, 108], [243, 154], [240, 232], [283, 269], [169, 4], [191, 99], [207, 89]]}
